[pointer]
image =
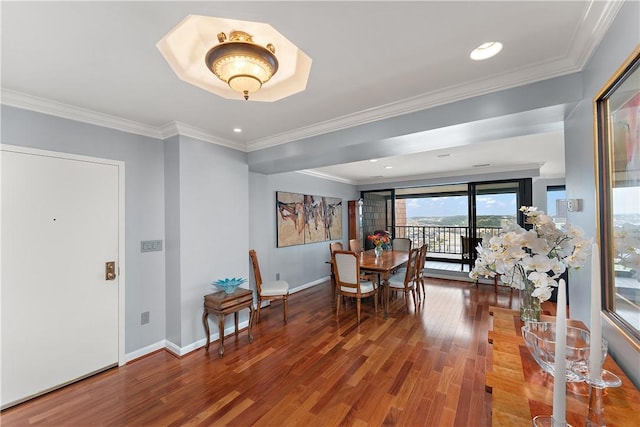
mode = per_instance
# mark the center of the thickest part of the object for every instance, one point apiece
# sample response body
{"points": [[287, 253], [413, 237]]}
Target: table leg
{"points": [[205, 322], [221, 332], [235, 319], [386, 291]]}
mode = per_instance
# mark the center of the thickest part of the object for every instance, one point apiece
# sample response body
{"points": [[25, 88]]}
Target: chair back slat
{"points": [[355, 246], [401, 244]]}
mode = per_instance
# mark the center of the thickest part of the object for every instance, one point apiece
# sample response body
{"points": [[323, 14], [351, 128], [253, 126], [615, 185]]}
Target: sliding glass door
{"points": [[491, 205], [446, 217]]}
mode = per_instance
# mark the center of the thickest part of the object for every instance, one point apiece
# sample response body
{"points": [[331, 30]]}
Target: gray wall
{"points": [[300, 265], [622, 37], [214, 236], [144, 204], [172, 237]]}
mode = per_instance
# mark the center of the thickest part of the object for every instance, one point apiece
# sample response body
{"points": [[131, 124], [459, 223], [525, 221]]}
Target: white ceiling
{"points": [[98, 62]]}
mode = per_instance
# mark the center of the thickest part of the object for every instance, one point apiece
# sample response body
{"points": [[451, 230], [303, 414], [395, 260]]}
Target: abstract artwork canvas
{"points": [[303, 218]]}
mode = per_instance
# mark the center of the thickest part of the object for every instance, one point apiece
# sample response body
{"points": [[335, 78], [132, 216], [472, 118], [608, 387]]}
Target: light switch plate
{"points": [[150, 245]]}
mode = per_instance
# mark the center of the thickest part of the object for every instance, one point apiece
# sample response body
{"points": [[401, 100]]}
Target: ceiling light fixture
{"points": [[241, 63], [237, 130], [486, 51], [197, 42]]}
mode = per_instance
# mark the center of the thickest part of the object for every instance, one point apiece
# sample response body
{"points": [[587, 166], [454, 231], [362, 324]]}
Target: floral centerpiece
{"points": [[379, 239], [532, 260]]}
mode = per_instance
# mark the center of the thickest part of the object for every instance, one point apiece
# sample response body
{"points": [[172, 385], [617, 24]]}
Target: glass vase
{"points": [[530, 309], [378, 251]]}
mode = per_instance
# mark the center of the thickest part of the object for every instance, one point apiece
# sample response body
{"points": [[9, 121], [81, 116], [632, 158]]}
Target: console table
{"points": [[520, 389], [221, 304]]}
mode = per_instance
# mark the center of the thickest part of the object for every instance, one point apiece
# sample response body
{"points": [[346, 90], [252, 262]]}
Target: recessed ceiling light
{"points": [[237, 130], [373, 160], [388, 167], [486, 51]]}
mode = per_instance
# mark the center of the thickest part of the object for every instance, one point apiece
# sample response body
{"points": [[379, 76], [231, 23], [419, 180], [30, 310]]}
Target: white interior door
{"points": [[60, 225]]}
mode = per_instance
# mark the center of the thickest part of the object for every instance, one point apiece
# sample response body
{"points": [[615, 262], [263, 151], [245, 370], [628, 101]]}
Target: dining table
{"points": [[383, 265]]}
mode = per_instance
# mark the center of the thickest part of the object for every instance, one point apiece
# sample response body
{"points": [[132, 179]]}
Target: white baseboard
{"points": [[308, 285], [181, 351], [144, 351]]}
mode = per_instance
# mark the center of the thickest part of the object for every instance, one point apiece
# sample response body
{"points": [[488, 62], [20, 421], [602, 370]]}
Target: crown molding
{"points": [[596, 22], [71, 112], [585, 41], [540, 72], [317, 174], [178, 128]]}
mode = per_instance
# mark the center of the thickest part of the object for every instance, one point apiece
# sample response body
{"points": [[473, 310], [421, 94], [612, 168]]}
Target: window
{"points": [[557, 193]]}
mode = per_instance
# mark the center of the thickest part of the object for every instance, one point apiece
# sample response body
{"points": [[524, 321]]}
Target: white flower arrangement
{"points": [[539, 255]]}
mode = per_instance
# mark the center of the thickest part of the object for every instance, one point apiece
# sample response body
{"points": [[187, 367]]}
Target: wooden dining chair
{"points": [[333, 246], [275, 290], [348, 283], [420, 267], [406, 282], [468, 245], [355, 246], [401, 244]]}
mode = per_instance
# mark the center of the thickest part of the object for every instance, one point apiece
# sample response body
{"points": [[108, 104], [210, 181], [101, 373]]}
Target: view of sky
{"points": [[626, 200], [495, 204]]}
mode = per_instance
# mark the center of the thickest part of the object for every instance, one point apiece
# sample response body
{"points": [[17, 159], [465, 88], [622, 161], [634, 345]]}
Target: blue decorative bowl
{"points": [[229, 285]]}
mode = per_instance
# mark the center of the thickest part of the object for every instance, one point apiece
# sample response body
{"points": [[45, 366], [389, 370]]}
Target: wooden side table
{"points": [[221, 303]]}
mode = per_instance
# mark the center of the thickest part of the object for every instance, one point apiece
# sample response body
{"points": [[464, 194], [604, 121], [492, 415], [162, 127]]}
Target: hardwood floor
{"points": [[422, 368]]}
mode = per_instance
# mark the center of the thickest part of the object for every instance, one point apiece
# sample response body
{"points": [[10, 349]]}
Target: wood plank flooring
{"points": [[421, 368]]}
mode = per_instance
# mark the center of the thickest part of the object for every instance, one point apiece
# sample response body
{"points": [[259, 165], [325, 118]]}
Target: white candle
{"points": [[559, 380], [595, 353]]}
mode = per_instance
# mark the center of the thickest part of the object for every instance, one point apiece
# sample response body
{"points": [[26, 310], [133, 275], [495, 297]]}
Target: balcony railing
{"points": [[444, 241]]}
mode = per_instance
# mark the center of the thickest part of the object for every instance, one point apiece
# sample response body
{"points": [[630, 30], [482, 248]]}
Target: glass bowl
{"points": [[229, 285], [540, 338]]}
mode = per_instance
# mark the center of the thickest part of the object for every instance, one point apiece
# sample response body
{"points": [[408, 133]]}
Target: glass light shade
{"points": [[245, 84], [243, 65], [230, 68]]}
